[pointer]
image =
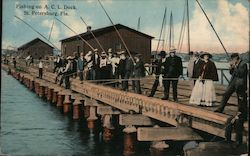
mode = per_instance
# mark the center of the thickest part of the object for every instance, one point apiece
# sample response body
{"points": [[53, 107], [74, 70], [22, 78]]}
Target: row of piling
{"points": [[66, 99]]}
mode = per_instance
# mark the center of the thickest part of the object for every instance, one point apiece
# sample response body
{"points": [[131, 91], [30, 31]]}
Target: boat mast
{"points": [[188, 28], [139, 24], [171, 32], [163, 21]]}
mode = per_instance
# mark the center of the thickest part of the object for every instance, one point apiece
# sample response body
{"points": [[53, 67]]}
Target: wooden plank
{"points": [[166, 133], [102, 110], [135, 119]]}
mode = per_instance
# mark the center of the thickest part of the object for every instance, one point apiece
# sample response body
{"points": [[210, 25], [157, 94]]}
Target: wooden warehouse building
{"points": [[137, 42], [36, 48]]}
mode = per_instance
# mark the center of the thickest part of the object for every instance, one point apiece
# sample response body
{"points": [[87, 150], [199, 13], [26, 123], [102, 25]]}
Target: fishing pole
{"points": [[51, 29], [213, 28], [75, 33], [37, 32], [117, 32], [93, 35]]}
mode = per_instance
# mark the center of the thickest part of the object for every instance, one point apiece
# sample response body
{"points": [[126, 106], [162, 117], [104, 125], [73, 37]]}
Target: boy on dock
{"points": [[40, 66]]}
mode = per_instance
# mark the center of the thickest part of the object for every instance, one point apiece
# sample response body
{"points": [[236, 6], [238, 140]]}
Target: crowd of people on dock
{"points": [[116, 69]]}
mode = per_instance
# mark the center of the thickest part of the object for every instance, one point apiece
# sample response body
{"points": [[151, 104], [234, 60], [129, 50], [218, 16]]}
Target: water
{"points": [[31, 126]]}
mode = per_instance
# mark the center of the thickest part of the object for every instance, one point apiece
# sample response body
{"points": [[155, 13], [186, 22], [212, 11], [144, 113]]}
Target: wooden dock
{"points": [[137, 109]]}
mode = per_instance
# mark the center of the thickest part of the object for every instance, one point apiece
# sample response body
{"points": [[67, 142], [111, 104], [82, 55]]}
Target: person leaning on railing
{"points": [[238, 84]]}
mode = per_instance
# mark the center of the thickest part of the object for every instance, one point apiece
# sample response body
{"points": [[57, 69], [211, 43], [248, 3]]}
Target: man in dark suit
{"points": [[158, 71], [172, 70], [238, 84], [139, 72], [94, 74]]}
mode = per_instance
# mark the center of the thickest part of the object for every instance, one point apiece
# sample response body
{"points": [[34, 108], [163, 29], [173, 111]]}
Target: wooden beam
{"points": [[102, 110], [135, 119], [166, 133]]}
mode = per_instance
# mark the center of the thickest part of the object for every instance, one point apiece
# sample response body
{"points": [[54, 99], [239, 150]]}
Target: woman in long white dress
{"points": [[203, 92]]}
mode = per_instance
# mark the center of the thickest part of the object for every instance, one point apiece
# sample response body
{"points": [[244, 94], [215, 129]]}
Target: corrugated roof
{"points": [[31, 43], [104, 30]]}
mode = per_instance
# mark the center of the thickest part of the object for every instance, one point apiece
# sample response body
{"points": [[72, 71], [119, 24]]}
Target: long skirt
{"points": [[203, 93]]}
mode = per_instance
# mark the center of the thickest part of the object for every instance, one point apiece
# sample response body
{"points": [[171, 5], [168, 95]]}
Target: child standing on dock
{"points": [[40, 66], [203, 92]]}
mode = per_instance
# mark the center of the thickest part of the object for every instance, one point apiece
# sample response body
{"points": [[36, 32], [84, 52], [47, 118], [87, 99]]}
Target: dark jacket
{"points": [[239, 76], [158, 68], [173, 67], [81, 64], [139, 69], [209, 71], [129, 67], [197, 68], [96, 64], [122, 67]]}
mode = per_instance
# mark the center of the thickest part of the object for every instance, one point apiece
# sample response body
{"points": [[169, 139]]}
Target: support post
{"points": [[66, 104], [50, 94], [41, 91], [60, 98], [129, 140], [76, 104], [108, 127], [92, 117]]}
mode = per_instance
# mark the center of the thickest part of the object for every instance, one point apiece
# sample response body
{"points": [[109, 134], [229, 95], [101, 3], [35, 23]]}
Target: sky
{"points": [[230, 19]]}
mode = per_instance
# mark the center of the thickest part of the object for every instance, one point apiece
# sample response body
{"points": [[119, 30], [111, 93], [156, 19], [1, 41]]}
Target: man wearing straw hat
{"points": [[172, 70]]}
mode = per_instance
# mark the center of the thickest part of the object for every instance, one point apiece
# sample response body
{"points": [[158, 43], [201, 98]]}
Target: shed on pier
{"points": [[37, 48], [137, 42]]}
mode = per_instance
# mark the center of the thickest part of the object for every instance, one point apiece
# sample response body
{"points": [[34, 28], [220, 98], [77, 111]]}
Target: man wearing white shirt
{"points": [[40, 66]]}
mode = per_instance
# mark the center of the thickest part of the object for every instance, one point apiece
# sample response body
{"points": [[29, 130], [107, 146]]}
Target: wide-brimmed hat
{"points": [[103, 54], [172, 50], [121, 52], [110, 50], [206, 53], [138, 55], [70, 58], [234, 55], [162, 54]]}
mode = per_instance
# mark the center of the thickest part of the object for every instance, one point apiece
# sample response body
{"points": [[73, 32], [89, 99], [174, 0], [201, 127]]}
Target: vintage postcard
{"points": [[125, 77]]}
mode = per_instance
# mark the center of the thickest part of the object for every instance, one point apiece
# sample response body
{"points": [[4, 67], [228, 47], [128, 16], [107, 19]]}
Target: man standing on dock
{"points": [[40, 66], [172, 70], [158, 70], [81, 62], [238, 84]]}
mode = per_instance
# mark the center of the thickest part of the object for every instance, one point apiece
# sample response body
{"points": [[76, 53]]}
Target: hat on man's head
{"points": [[121, 52], [70, 58], [196, 54], [110, 50], [95, 50], [138, 55], [103, 54], [235, 55], [206, 53], [172, 50], [162, 54]]}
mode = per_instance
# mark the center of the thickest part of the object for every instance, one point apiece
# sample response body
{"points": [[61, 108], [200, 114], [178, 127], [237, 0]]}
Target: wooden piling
{"points": [[60, 99], [66, 104], [50, 94], [129, 143], [76, 104]]}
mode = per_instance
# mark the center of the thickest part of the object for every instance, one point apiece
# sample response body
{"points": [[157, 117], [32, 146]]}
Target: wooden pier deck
{"points": [[200, 118]]}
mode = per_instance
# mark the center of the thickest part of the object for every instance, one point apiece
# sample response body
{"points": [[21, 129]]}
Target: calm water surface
{"points": [[31, 126]]}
